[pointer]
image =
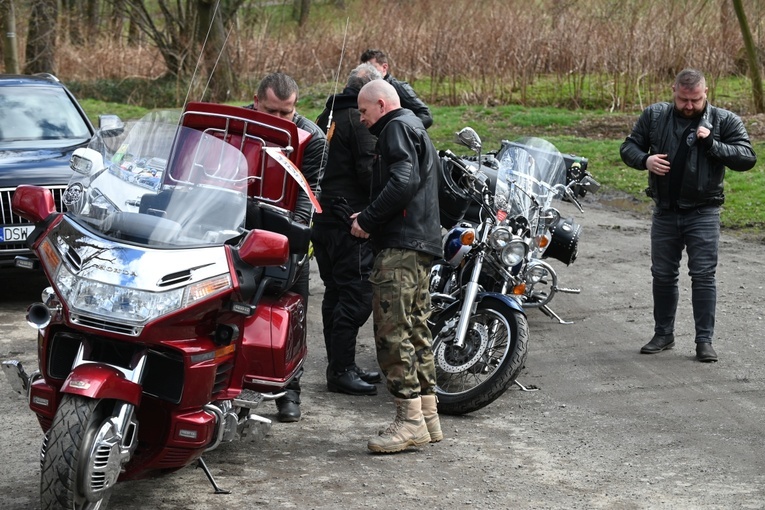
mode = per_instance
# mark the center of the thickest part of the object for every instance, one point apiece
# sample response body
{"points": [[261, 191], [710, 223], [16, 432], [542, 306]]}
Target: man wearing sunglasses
{"points": [[686, 145]]}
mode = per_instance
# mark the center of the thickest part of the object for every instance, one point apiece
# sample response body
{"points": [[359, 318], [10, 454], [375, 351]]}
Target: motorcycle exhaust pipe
{"points": [[38, 315]]}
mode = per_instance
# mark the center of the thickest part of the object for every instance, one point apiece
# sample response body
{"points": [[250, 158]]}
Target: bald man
{"points": [[403, 223]]}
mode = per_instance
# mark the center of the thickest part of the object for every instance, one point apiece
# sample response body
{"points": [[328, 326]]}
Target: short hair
{"points": [[361, 75], [281, 84], [378, 56], [690, 79]]}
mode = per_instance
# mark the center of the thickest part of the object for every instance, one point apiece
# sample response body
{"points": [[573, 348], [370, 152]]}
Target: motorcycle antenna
{"points": [[334, 93], [202, 51]]}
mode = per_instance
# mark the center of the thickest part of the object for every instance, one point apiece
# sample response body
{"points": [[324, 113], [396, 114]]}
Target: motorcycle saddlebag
{"points": [[565, 241]]}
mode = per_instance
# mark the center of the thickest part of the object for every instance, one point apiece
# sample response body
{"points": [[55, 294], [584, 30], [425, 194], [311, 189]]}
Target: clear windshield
{"points": [[532, 173], [157, 184]]}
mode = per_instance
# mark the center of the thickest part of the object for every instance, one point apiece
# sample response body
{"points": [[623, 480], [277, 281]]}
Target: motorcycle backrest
{"points": [[251, 132]]}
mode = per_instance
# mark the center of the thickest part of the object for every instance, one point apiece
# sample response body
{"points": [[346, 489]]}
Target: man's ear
{"points": [[255, 101]]}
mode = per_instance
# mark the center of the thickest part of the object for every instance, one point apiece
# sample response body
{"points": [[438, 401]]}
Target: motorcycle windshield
{"points": [[532, 173], [157, 184]]}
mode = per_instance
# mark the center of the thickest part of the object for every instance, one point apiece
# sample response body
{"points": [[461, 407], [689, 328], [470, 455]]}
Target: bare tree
{"points": [[10, 44], [300, 11], [212, 36], [751, 53], [41, 39]]}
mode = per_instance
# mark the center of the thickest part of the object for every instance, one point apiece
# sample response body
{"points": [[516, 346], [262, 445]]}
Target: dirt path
{"points": [[609, 428]]}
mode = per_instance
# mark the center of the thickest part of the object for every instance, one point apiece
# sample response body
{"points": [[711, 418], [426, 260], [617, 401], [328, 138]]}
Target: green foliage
{"points": [[159, 93]]}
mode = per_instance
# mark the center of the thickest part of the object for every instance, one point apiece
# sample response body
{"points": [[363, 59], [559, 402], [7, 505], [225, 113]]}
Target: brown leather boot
{"points": [[407, 428], [430, 414]]}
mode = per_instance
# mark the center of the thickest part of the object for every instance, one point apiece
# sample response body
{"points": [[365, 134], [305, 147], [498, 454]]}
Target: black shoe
{"points": [[350, 383], [289, 407], [658, 343], [705, 353], [368, 376]]}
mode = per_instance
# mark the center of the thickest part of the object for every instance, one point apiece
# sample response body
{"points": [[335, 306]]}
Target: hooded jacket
{"points": [[404, 208], [727, 146]]}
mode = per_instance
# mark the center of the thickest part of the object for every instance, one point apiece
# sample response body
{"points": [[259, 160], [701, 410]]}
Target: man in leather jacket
{"points": [[406, 93], [277, 95], [685, 146], [403, 221], [344, 262]]}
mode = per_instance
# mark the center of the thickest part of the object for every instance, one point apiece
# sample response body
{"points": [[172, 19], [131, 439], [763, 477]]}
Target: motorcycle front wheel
{"points": [[67, 480], [495, 349]]}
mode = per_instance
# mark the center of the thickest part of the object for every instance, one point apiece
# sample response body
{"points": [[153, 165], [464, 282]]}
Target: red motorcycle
{"points": [[169, 317]]}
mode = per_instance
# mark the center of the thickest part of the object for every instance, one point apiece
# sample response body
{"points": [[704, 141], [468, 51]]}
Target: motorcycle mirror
{"points": [[469, 138], [264, 248], [110, 125], [86, 161]]}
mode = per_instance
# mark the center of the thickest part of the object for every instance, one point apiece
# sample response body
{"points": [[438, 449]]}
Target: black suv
{"points": [[41, 124]]}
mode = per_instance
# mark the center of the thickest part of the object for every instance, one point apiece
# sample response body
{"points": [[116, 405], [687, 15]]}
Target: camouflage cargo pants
{"points": [[400, 309]]}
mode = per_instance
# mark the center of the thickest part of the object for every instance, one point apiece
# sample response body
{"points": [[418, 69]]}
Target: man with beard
{"points": [[685, 145]]}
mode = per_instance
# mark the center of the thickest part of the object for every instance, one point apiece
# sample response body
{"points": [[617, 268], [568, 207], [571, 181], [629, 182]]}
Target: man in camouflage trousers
{"points": [[403, 222]]}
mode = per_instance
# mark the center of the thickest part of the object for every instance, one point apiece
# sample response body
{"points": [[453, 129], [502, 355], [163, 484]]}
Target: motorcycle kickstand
{"points": [[525, 388], [548, 311], [218, 490]]}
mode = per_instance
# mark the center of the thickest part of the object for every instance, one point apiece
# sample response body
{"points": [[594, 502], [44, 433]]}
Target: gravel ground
{"points": [[608, 428]]}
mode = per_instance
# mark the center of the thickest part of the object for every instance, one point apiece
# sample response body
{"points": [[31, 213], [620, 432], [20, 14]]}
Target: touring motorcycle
{"points": [[493, 266], [169, 318]]}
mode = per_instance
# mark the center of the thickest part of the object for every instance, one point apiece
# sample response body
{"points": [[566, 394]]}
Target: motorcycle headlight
{"points": [[514, 253], [500, 237]]}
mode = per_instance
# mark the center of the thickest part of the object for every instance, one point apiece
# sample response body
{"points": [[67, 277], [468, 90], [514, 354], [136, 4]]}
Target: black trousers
{"points": [[344, 267]]}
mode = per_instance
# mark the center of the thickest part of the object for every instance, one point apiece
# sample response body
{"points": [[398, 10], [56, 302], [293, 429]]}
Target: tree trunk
{"points": [[217, 61], [41, 39], [300, 11], [751, 53], [10, 43]]}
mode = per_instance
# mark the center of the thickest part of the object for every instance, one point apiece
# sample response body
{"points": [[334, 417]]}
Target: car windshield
{"points": [[39, 118]]}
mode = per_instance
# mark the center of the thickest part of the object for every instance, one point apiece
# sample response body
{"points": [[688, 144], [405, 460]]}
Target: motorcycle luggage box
{"points": [[251, 132], [274, 342]]}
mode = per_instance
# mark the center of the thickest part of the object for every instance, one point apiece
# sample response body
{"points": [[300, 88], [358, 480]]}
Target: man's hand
{"points": [[657, 164], [356, 230]]}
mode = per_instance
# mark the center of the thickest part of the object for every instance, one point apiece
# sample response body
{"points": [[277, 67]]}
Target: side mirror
{"points": [[264, 248], [469, 138], [86, 161], [33, 203], [110, 125]]}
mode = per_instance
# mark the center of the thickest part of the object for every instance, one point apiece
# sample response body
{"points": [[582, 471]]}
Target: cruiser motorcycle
{"points": [[493, 267], [169, 318]]}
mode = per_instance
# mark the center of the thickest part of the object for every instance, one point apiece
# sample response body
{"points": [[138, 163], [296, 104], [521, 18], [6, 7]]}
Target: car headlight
{"points": [[499, 238], [514, 252]]}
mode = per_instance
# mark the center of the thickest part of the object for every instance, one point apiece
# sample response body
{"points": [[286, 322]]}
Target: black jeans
{"points": [[344, 267], [698, 231]]}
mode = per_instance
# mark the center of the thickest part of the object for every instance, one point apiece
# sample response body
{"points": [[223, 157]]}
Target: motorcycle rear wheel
{"points": [[495, 350], [68, 444]]}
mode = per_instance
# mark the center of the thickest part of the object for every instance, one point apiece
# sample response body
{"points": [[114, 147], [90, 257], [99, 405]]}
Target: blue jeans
{"points": [[698, 231]]}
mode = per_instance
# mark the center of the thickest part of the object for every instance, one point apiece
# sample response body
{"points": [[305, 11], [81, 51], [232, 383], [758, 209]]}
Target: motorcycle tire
{"points": [[494, 353], [67, 445]]}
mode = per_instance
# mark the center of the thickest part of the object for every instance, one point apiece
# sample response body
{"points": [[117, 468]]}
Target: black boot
{"points": [[350, 383], [368, 376], [289, 407], [658, 343]]}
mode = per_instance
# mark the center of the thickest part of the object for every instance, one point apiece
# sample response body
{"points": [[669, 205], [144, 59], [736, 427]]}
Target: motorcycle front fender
{"points": [[99, 381], [455, 307]]}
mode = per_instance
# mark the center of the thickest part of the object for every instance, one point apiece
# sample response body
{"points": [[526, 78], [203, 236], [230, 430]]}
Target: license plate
{"points": [[15, 234]]}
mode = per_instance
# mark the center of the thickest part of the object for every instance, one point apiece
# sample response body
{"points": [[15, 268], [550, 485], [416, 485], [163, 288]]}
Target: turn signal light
{"points": [[467, 237], [519, 289]]}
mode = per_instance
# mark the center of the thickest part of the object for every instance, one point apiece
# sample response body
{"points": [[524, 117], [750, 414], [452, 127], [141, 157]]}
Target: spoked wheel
{"points": [[80, 457], [541, 282], [475, 375]]}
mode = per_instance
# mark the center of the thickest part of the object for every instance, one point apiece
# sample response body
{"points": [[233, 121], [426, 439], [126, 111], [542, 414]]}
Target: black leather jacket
{"points": [[409, 100], [404, 209], [727, 146], [348, 173]]}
